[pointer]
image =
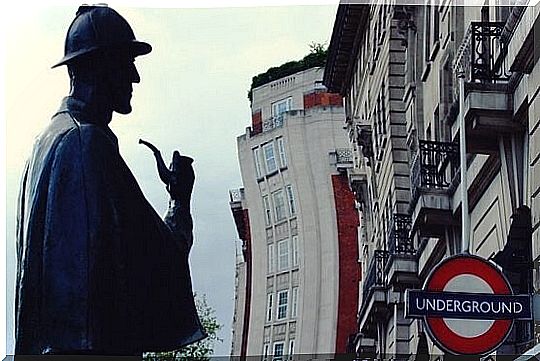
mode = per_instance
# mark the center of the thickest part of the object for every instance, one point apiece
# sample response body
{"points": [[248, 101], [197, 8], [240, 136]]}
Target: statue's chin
{"points": [[123, 109]]}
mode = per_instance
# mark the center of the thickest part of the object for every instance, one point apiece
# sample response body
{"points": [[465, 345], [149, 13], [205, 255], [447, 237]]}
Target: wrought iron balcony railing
{"points": [[236, 195], [482, 54], [273, 122], [399, 239], [344, 155], [430, 166], [375, 276]]}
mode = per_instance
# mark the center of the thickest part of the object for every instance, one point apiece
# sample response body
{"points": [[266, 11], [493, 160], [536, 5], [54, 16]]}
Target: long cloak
{"points": [[98, 271]]}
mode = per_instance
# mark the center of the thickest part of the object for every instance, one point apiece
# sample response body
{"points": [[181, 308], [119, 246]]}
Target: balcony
{"points": [[373, 292], [342, 158], [401, 267], [273, 122], [432, 171], [481, 59], [399, 241], [236, 195]]}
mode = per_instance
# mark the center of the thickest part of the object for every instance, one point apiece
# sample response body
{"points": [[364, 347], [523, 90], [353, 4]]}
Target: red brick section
{"points": [[241, 219], [316, 99], [256, 122], [349, 270], [247, 304]]}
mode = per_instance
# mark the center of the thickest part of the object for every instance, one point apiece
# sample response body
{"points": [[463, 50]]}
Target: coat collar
{"points": [[82, 114]]}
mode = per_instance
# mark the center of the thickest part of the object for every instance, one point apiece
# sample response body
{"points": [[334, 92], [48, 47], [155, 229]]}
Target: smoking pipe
{"points": [[168, 175], [164, 173]]}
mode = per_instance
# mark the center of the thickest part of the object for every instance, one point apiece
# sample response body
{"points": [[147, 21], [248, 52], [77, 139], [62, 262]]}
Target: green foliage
{"points": [[199, 351], [315, 58]]}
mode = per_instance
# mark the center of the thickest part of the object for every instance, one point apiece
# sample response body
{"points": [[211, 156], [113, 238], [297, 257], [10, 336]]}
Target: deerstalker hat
{"points": [[99, 27]]}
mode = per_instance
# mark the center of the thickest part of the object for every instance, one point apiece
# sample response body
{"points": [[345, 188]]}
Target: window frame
{"points": [[280, 306], [291, 348], [294, 251], [274, 355], [256, 158], [267, 210], [275, 106], [269, 160], [281, 266], [294, 302], [291, 199], [269, 307], [270, 258], [278, 214], [281, 152]]}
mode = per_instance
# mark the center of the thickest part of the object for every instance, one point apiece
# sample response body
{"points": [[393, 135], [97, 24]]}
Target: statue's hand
{"points": [[182, 179]]}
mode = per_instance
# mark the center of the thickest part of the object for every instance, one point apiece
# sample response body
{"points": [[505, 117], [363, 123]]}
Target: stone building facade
{"points": [[298, 284], [398, 68]]}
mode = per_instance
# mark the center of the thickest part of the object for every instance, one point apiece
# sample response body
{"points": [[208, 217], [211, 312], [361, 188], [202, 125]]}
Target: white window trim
{"points": [[275, 105], [281, 152], [290, 199], [257, 160], [278, 357], [291, 348], [286, 305], [276, 213], [267, 159], [280, 260], [269, 307], [294, 251], [270, 258], [266, 348], [294, 302], [267, 211]]}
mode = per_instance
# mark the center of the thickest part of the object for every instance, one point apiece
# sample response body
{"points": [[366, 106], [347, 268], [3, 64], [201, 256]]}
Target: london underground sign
{"points": [[467, 305]]}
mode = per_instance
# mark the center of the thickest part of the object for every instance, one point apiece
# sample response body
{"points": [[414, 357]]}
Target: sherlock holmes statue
{"points": [[99, 272]]}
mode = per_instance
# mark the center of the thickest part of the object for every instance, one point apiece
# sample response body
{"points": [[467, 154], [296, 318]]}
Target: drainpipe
{"points": [[465, 222]]}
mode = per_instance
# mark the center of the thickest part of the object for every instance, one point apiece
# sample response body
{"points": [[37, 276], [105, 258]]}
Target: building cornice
{"points": [[349, 25]]}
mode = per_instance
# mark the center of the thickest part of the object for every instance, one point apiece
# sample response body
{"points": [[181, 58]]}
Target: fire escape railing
{"points": [[399, 239], [481, 56], [375, 276], [429, 169]]}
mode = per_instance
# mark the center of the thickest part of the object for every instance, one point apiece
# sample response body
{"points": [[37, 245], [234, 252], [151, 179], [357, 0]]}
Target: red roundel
{"points": [[475, 268]]}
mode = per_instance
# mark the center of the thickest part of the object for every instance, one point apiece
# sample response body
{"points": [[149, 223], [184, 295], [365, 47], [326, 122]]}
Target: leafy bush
{"points": [[316, 58]]}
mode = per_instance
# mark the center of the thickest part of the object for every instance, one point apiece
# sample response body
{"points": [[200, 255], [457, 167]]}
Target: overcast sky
{"points": [[192, 97]]}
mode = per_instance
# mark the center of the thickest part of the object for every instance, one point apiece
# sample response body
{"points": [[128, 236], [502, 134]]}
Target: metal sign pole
{"points": [[465, 222]]}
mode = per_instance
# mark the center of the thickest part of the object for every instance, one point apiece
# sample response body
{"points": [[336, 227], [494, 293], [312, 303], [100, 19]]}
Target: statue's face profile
{"points": [[121, 75]]}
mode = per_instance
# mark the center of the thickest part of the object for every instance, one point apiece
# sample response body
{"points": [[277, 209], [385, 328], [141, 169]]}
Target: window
{"points": [[281, 151], [269, 158], [291, 347], [290, 198], [279, 206], [278, 351], [280, 107], [431, 26], [283, 255], [294, 306], [267, 211], [269, 306], [257, 159], [295, 251], [265, 351], [427, 31], [270, 258], [283, 302]]}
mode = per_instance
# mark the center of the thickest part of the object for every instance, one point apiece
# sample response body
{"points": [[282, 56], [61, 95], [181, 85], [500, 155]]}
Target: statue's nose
{"points": [[135, 77]]}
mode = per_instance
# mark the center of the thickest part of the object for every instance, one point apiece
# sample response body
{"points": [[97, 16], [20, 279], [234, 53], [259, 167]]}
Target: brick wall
{"points": [[322, 99], [349, 269], [256, 122]]}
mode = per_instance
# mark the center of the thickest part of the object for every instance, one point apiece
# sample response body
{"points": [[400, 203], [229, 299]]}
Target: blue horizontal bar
{"points": [[479, 306]]}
